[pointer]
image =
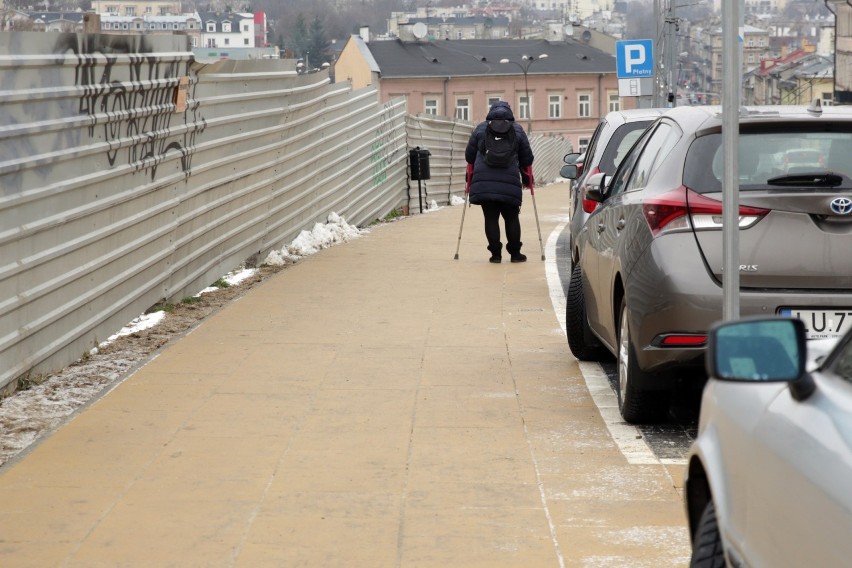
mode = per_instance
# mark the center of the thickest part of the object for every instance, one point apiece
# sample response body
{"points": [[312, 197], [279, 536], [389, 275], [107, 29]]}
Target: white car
{"points": [[769, 476]]}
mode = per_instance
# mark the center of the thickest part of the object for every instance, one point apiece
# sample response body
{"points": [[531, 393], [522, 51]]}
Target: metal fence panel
{"points": [[113, 198]]}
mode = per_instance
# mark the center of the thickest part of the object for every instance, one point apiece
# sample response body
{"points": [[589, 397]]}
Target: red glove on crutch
{"points": [[467, 177], [527, 176]]}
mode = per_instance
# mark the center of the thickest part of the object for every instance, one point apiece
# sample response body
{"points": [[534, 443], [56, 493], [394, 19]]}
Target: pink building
{"points": [[559, 88]]}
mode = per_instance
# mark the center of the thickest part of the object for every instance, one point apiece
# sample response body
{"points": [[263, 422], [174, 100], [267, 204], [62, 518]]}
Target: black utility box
{"points": [[418, 161]]}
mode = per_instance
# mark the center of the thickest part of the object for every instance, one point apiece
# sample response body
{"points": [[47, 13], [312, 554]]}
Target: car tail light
{"points": [[683, 208], [589, 206]]}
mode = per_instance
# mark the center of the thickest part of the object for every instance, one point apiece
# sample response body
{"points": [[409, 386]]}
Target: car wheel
{"points": [[636, 405], [707, 546], [584, 345]]}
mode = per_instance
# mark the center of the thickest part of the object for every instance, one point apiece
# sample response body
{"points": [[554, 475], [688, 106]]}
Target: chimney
{"points": [[365, 33], [91, 22]]}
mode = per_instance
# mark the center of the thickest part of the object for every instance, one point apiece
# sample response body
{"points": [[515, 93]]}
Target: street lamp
{"points": [[528, 59]]}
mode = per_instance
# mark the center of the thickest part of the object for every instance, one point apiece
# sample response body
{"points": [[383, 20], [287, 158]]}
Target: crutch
{"points": [[468, 175], [535, 209]]}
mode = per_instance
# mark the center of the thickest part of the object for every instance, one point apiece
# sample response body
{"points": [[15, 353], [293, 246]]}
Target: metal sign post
{"points": [[732, 76]]}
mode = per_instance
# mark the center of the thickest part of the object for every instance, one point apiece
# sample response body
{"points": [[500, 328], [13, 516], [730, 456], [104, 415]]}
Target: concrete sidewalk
{"points": [[378, 404]]}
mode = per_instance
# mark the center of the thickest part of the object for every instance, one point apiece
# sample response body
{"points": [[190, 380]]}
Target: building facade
{"points": [[565, 93]]}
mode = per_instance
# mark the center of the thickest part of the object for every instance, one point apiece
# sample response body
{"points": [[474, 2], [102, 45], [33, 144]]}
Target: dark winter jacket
{"points": [[497, 184]]}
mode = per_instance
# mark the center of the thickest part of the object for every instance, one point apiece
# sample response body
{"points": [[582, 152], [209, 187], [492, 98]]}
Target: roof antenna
{"points": [[816, 107]]}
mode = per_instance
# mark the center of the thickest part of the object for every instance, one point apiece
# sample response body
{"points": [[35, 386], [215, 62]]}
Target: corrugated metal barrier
{"points": [[131, 174]]}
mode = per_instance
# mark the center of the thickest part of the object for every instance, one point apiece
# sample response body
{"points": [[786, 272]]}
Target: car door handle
{"points": [[621, 224]]}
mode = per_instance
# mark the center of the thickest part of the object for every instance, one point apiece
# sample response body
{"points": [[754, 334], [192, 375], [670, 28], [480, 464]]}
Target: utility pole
{"points": [[658, 76], [671, 51]]}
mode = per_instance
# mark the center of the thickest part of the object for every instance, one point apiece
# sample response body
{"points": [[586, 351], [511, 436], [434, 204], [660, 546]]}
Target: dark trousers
{"points": [[492, 212]]}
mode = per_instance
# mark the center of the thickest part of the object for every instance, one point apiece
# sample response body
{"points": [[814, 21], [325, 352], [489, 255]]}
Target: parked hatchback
{"points": [[610, 142], [648, 281], [767, 482]]}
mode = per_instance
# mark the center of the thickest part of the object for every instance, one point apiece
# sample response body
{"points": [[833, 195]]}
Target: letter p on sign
{"points": [[634, 55]]}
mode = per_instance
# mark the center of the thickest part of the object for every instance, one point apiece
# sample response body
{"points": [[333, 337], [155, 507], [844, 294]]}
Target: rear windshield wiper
{"points": [[813, 179]]}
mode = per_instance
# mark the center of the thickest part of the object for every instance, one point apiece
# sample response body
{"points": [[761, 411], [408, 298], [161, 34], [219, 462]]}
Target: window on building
{"points": [[584, 105], [194, 41], [245, 27], [524, 107], [751, 58], [112, 9], [138, 25], [130, 11], [430, 106], [614, 101], [492, 99], [164, 11], [463, 108], [245, 41], [211, 26], [226, 27], [148, 9], [583, 145], [554, 106], [227, 41]]}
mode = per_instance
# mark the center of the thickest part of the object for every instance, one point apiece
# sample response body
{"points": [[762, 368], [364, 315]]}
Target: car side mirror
{"points": [[571, 158], [569, 171], [760, 350], [596, 187]]}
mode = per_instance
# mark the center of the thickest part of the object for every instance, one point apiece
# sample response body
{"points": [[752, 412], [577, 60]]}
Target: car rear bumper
{"points": [[669, 290]]}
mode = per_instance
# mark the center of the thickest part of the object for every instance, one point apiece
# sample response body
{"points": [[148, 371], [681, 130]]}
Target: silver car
{"points": [[648, 281], [768, 476]]}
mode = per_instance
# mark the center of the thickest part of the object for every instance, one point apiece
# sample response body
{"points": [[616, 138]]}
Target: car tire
{"points": [[707, 549], [582, 342], [637, 406]]}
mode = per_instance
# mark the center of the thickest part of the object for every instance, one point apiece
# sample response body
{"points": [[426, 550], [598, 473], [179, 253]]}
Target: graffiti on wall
{"points": [[382, 148], [135, 116]]}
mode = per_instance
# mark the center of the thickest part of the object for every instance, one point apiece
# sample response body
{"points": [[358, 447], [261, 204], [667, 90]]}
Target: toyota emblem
{"points": [[841, 205]]}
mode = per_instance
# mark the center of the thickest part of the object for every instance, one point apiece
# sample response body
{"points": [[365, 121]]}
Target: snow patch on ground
{"points": [[335, 231]]}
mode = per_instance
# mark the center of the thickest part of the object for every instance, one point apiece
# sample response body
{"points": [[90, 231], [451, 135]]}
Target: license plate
{"points": [[822, 324]]}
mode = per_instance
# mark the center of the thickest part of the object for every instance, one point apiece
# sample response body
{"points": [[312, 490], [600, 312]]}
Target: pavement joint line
{"points": [[631, 443], [538, 480]]}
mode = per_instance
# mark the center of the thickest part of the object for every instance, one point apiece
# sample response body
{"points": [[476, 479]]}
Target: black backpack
{"points": [[499, 145]]}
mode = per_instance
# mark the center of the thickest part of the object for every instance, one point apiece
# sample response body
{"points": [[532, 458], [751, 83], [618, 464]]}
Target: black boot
{"points": [[515, 252], [496, 253]]}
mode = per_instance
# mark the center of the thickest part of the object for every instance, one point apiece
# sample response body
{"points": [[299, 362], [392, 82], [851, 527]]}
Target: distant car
{"points": [[610, 142], [647, 283], [768, 476], [801, 160]]}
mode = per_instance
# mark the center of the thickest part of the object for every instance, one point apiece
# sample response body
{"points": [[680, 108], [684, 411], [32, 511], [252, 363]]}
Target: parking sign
{"points": [[634, 58]]}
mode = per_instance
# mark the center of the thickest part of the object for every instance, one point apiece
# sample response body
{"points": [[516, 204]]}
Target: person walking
{"points": [[499, 163]]}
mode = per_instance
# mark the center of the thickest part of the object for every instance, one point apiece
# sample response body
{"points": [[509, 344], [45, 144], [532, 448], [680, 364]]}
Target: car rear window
{"points": [[622, 140], [766, 155]]}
